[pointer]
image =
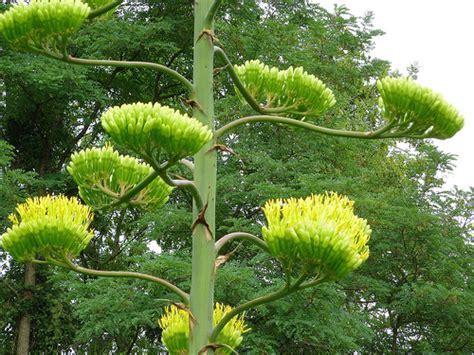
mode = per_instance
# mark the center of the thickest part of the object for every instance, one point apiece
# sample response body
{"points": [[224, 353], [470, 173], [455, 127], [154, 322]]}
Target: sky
{"points": [[438, 35]]}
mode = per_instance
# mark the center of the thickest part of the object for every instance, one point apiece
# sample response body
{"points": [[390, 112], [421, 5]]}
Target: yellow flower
{"points": [[175, 325], [103, 176], [42, 23], [416, 111], [146, 128], [319, 233], [48, 226], [304, 93]]}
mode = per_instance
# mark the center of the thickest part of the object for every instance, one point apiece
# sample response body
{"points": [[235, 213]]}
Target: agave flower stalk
{"points": [[317, 239]]}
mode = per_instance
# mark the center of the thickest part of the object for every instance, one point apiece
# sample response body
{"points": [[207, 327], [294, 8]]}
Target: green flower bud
{"points": [[42, 23], [303, 93], [319, 233], [48, 226], [146, 128], [103, 176], [416, 111], [175, 325]]}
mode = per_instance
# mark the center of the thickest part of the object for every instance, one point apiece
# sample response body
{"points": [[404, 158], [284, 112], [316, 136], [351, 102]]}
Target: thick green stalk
{"points": [[203, 255]]}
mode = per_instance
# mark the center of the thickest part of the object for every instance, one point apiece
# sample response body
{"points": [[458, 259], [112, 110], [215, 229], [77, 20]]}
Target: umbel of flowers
{"points": [[104, 176], [319, 233], [148, 128], [417, 111], [175, 324], [48, 226], [303, 94], [42, 23]]}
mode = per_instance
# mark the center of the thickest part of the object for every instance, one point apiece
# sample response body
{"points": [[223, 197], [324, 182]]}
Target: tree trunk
{"points": [[24, 327]]}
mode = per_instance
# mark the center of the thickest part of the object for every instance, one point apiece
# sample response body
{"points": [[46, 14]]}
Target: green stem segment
{"points": [[282, 292], [211, 14], [124, 64], [203, 253], [296, 123], [240, 235], [130, 274], [102, 10], [185, 184]]}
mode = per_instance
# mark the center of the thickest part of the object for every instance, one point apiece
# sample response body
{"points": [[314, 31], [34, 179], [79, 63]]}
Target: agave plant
{"points": [[317, 239]]}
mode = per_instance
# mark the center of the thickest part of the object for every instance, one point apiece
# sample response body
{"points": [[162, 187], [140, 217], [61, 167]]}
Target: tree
{"points": [[395, 92]]}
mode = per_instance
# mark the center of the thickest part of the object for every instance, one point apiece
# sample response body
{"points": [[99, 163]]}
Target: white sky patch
{"points": [[153, 246], [438, 36]]}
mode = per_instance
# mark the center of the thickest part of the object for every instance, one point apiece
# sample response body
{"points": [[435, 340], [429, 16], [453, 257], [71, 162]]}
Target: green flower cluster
{"points": [[303, 94], [416, 111], [175, 325], [48, 226], [147, 128], [104, 176], [319, 233], [42, 24]]}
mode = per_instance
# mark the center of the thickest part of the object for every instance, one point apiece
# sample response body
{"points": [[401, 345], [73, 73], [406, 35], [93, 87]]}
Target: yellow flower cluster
{"points": [[175, 325], [304, 93], [47, 226], [146, 128], [42, 23], [319, 233], [416, 111], [103, 176]]}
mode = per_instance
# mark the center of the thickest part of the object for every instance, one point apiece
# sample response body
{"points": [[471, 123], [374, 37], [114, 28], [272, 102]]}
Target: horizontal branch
{"points": [[128, 274], [240, 235], [133, 64], [296, 123]]}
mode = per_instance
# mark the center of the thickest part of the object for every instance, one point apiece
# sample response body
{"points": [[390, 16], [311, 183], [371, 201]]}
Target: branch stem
{"points": [[292, 122], [134, 64], [281, 292], [211, 14], [186, 184], [240, 235], [128, 274], [104, 9]]}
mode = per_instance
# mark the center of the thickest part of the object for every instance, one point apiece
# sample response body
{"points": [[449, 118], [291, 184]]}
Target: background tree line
{"points": [[415, 292]]}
